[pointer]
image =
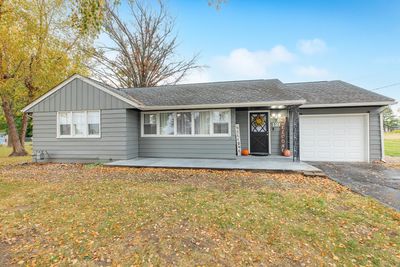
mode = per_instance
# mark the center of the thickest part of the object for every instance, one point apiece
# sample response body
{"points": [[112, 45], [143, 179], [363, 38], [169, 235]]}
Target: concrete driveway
{"points": [[375, 180]]}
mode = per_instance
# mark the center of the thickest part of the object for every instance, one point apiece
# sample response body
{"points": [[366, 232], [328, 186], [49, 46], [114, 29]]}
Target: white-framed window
{"points": [[184, 123], [202, 122], [93, 120], [167, 122], [64, 123], [150, 123], [187, 123], [78, 124], [221, 122]]}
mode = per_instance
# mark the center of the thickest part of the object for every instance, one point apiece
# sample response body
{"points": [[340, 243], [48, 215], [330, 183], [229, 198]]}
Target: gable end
{"points": [[79, 93]]}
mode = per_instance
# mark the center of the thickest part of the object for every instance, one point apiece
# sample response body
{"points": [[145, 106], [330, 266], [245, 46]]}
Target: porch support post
{"points": [[296, 133]]}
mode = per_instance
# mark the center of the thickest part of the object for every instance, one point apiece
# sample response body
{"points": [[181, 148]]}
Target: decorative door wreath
{"points": [[260, 120]]}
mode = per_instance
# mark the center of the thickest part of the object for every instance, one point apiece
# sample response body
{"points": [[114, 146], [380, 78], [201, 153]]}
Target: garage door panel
{"points": [[333, 138], [322, 132], [322, 156], [339, 131], [321, 144], [340, 143], [308, 144], [308, 132], [355, 132]]}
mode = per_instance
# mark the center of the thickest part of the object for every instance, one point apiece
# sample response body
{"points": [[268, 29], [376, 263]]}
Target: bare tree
{"points": [[217, 3], [142, 54]]}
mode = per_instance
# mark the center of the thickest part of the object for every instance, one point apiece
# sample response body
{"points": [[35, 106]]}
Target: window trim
{"points": [[191, 123], [142, 134], [210, 126], [71, 125], [157, 124]]}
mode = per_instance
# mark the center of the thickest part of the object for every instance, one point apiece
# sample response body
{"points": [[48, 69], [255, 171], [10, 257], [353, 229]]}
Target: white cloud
{"points": [[311, 72], [243, 63], [277, 62], [311, 47]]}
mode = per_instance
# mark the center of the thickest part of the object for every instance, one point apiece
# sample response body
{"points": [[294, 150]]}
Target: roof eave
{"points": [[356, 104], [227, 105]]}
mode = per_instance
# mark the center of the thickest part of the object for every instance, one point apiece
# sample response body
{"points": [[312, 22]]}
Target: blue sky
{"points": [[356, 41]]}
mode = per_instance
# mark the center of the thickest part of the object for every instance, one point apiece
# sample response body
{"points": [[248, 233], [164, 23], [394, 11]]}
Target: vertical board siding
{"points": [[79, 95], [242, 118], [190, 147], [119, 132], [374, 125]]}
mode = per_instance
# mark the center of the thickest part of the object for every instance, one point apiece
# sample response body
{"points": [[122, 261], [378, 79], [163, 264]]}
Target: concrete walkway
{"points": [[241, 163], [375, 180]]}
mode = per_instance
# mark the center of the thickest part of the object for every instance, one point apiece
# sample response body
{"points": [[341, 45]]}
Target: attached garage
{"points": [[338, 137]]}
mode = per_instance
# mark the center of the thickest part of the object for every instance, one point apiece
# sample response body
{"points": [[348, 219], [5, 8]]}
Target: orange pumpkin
{"points": [[245, 152], [286, 153]]}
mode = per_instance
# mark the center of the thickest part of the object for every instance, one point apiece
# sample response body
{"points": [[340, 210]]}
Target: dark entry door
{"points": [[259, 133]]}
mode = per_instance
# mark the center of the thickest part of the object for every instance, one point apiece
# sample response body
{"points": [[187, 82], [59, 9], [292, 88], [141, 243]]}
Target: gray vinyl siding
{"points": [[275, 142], [120, 130], [117, 140], [242, 118], [190, 147], [79, 95], [375, 148], [375, 140], [132, 133]]}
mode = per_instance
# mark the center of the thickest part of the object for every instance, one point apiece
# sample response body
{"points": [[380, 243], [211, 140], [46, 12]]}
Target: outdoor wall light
{"points": [[277, 107]]}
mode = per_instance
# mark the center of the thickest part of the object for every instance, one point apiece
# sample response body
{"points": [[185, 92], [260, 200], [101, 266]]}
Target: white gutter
{"points": [[357, 104], [226, 105]]}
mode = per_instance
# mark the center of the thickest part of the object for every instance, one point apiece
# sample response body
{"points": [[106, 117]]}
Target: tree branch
{"points": [[143, 54]]}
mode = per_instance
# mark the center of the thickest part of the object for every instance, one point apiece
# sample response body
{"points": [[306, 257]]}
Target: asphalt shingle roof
{"points": [[334, 92], [231, 92], [213, 93]]}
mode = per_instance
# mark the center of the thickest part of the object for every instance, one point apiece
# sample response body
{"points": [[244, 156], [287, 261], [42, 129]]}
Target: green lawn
{"points": [[63, 214], [392, 144]]}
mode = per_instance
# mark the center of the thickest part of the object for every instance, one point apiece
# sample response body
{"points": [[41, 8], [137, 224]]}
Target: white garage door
{"points": [[334, 137]]}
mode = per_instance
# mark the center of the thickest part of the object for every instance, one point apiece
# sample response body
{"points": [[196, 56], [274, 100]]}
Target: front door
{"points": [[259, 133]]}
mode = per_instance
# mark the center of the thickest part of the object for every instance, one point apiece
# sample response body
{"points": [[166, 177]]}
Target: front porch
{"points": [[269, 163], [269, 130]]}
